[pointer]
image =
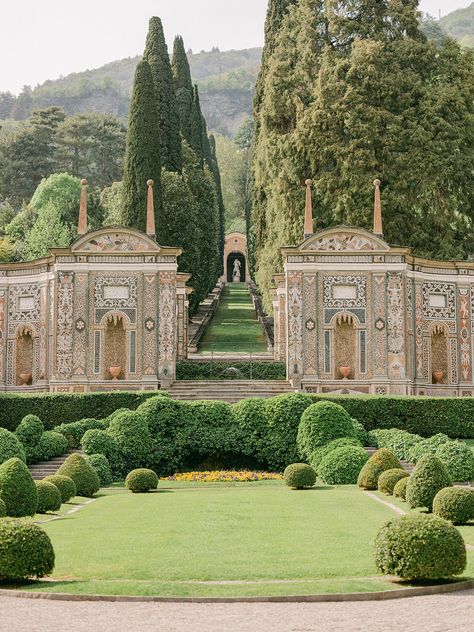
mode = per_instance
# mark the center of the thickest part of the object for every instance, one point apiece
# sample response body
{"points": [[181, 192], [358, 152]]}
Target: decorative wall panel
{"points": [[420, 374], [64, 321], [295, 324], [310, 329], [80, 324], [166, 324], [447, 309], [465, 334], [395, 326], [2, 334], [380, 327], [150, 332]]}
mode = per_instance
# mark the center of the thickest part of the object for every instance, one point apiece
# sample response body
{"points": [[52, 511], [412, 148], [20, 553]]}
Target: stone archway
{"points": [[231, 259], [235, 248]]}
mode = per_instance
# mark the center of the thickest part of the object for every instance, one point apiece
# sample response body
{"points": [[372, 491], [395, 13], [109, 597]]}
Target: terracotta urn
{"points": [[345, 371], [115, 371], [25, 377], [438, 376]]}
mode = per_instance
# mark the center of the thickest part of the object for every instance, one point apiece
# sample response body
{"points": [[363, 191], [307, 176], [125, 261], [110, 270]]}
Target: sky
{"points": [[45, 39]]}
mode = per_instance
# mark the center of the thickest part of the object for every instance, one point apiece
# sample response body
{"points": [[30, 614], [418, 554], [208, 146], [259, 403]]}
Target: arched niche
{"points": [[345, 346], [231, 259], [439, 354], [115, 347], [24, 356]]}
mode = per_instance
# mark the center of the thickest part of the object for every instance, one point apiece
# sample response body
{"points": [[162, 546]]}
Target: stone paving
{"points": [[439, 613]]}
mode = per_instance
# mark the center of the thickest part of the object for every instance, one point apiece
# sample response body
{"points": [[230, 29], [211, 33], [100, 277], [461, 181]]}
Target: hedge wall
{"points": [[57, 408], [240, 370], [425, 416]]}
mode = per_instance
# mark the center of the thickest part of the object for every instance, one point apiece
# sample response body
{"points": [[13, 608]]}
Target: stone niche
{"points": [[115, 348], [345, 346], [24, 357]]}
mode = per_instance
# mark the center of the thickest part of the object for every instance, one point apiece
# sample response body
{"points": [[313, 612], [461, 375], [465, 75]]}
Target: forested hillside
{"points": [[460, 25]]}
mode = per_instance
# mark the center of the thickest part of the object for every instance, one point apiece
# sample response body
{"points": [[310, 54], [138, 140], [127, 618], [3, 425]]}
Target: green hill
{"points": [[460, 25]]}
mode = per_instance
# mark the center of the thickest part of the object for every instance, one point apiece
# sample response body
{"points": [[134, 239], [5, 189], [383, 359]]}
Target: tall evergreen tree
{"points": [[220, 200], [142, 157], [184, 87], [197, 133], [156, 54]]}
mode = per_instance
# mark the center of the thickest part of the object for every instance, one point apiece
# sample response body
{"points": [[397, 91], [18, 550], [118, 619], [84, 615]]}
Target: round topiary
{"points": [[428, 477], [25, 550], [299, 476], [65, 485], [321, 423], [141, 480], [319, 454], [10, 446], [459, 460], [102, 467], [419, 547], [3, 509], [342, 465], [29, 431], [455, 504], [389, 478], [84, 476], [97, 441], [400, 489], [130, 431], [379, 462], [18, 489], [49, 497], [51, 444]]}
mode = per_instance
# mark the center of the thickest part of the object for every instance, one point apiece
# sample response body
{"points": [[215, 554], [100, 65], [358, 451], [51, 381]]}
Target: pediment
{"points": [[344, 239], [115, 239]]}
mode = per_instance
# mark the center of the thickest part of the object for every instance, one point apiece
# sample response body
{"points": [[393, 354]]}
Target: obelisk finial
{"points": [[378, 230], [150, 211], [308, 213], [82, 223]]}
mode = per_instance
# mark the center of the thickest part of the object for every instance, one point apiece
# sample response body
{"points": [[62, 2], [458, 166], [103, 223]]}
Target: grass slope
{"points": [[235, 327]]}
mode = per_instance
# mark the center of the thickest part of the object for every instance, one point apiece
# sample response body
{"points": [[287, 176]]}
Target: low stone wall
{"points": [[200, 321], [265, 320]]}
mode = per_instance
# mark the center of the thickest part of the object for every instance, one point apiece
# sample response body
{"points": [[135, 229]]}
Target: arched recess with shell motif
{"points": [[116, 347], [347, 342]]}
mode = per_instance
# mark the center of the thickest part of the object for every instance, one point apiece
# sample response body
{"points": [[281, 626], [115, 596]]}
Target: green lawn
{"points": [[219, 540], [235, 327]]}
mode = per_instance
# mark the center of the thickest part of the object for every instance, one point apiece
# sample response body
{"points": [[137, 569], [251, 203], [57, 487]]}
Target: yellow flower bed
{"points": [[225, 476]]}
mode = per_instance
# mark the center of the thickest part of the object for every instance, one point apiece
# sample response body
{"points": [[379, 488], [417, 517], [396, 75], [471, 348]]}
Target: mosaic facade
{"points": [[356, 315], [111, 311]]}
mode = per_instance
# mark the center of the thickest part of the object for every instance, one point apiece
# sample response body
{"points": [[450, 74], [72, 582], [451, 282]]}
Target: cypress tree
{"points": [[220, 201], [197, 134], [156, 54], [142, 157], [183, 87]]}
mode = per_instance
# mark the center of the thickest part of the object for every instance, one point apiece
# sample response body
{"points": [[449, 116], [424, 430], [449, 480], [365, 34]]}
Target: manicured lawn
{"points": [[235, 327], [219, 540]]}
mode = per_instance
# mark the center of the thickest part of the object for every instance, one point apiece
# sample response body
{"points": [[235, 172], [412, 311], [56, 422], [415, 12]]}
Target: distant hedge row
{"points": [[57, 408], [239, 370]]}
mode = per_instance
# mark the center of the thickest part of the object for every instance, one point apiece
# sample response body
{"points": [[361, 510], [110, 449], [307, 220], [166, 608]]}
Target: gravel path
{"points": [[438, 613]]}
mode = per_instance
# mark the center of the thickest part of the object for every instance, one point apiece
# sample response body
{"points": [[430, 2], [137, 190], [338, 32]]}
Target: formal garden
{"points": [[292, 495]]}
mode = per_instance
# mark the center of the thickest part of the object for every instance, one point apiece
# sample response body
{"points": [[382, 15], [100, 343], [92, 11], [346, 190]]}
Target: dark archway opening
{"points": [[230, 266]]}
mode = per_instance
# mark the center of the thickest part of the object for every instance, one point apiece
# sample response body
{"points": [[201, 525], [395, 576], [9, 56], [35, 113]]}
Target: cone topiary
{"points": [[428, 477], [65, 485], [342, 465], [18, 489], [455, 504], [84, 476], [29, 431], [379, 462], [299, 476], [419, 547], [400, 489], [49, 497], [321, 423], [141, 480], [389, 478], [25, 550], [10, 446]]}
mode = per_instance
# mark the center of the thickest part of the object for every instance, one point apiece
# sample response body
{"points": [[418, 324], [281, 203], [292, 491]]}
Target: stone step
{"points": [[45, 468]]}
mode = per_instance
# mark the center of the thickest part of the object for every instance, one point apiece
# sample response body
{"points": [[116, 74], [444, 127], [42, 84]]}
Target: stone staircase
{"points": [[45, 468], [229, 390]]}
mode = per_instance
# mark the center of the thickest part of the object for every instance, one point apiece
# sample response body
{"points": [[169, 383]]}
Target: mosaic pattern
{"points": [[343, 241], [409, 304], [465, 334], [150, 310], [64, 321], [80, 334], [380, 336], [106, 302], [295, 324], [117, 242], [310, 336], [395, 326], [166, 326], [445, 289], [2, 331], [329, 282], [30, 297], [420, 373], [453, 343]]}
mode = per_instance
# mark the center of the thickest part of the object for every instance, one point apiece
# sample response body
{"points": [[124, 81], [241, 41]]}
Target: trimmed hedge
{"points": [[299, 476], [459, 460], [419, 547], [141, 480], [389, 478], [400, 442], [25, 550], [342, 465], [429, 476], [3, 509], [100, 442], [321, 423], [130, 432], [455, 504], [10, 446], [400, 489], [18, 489], [84, 476], [379, 462], [29, 431], [49, 497], [65, 485], [59, 408], [74, 431], [51, 444], [319, 454], [102, 468], [241, 370]]}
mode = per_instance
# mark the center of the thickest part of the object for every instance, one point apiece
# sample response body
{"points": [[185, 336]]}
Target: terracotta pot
{"points": [[25, 377], [345, 371], [438, 376], [115, 371]]}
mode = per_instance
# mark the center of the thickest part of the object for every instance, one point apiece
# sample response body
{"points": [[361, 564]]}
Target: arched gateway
{"points": [[235, 249]]}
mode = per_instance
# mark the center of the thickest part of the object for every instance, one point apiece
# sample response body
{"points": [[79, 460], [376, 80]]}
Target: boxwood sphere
{"points": [[84, 476], [429, 476], [25, 550], [320, 423], [49, 497], [419, 547], [389, 478], [141, 480], [342, 465], [400, 489], [458, 459], [65, 485], [299, 476], [455, 504]]}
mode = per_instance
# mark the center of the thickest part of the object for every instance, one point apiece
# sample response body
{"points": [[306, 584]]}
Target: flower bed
{"points": [[224, 476]]}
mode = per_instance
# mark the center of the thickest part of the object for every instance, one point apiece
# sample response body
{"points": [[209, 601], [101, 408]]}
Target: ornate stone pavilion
{"points": [[353, 314], [108, 312]]}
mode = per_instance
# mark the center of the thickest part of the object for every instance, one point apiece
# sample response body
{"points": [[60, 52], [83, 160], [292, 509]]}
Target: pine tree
{"points": [[156, 54], [142, 157], [183, 87]]}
